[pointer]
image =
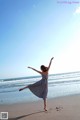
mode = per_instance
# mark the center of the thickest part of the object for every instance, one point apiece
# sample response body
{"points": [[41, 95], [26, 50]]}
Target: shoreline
{"points": [[61, 108], [38, 100]]}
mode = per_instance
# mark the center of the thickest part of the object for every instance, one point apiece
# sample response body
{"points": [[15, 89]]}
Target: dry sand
{"points": [[63, 108]]}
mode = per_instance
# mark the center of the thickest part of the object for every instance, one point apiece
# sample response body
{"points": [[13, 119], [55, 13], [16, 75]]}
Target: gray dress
{"points": [[40, 88]]}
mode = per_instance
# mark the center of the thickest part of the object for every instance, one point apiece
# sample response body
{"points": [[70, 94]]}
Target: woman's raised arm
{"points": [[35, 70], [50, 63]]}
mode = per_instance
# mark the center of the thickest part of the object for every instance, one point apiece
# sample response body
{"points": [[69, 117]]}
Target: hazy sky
{"points": [[33, 31]]}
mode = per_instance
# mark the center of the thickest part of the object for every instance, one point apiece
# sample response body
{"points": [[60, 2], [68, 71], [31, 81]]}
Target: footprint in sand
{"points": [[59, 108]]}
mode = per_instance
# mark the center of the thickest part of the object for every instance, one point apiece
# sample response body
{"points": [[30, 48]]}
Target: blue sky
{"points": [[33, 31]]}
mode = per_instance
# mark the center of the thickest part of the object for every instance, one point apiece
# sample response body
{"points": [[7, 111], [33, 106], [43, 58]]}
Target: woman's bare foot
{"points": [[20, 89], [23, 88], [45, 109]]}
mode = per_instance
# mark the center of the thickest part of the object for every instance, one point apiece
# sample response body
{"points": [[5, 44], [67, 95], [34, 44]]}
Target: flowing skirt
{"points": [[40, 88]]}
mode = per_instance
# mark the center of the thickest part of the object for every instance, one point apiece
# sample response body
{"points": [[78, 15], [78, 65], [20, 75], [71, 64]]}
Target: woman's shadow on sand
{"points": [[19, 117]]}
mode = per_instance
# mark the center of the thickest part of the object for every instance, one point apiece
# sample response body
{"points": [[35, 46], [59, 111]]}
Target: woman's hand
{"points": [[52, 58], [29, 67]]}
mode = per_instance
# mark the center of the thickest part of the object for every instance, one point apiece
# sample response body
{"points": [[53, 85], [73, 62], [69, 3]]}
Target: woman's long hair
{"points": [[44, 68]]}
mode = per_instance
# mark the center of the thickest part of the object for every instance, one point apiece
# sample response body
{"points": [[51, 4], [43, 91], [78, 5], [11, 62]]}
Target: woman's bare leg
{"points": [[23, 88], [45, 104]]}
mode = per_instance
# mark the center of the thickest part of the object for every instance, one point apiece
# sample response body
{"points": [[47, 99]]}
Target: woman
{"points": [[40, 88]]}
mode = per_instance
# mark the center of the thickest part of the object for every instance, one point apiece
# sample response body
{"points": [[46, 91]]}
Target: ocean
{"points": [[62, 84]]}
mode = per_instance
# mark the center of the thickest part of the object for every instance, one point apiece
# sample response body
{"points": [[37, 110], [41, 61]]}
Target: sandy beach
{"points": [[63, 108]]}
